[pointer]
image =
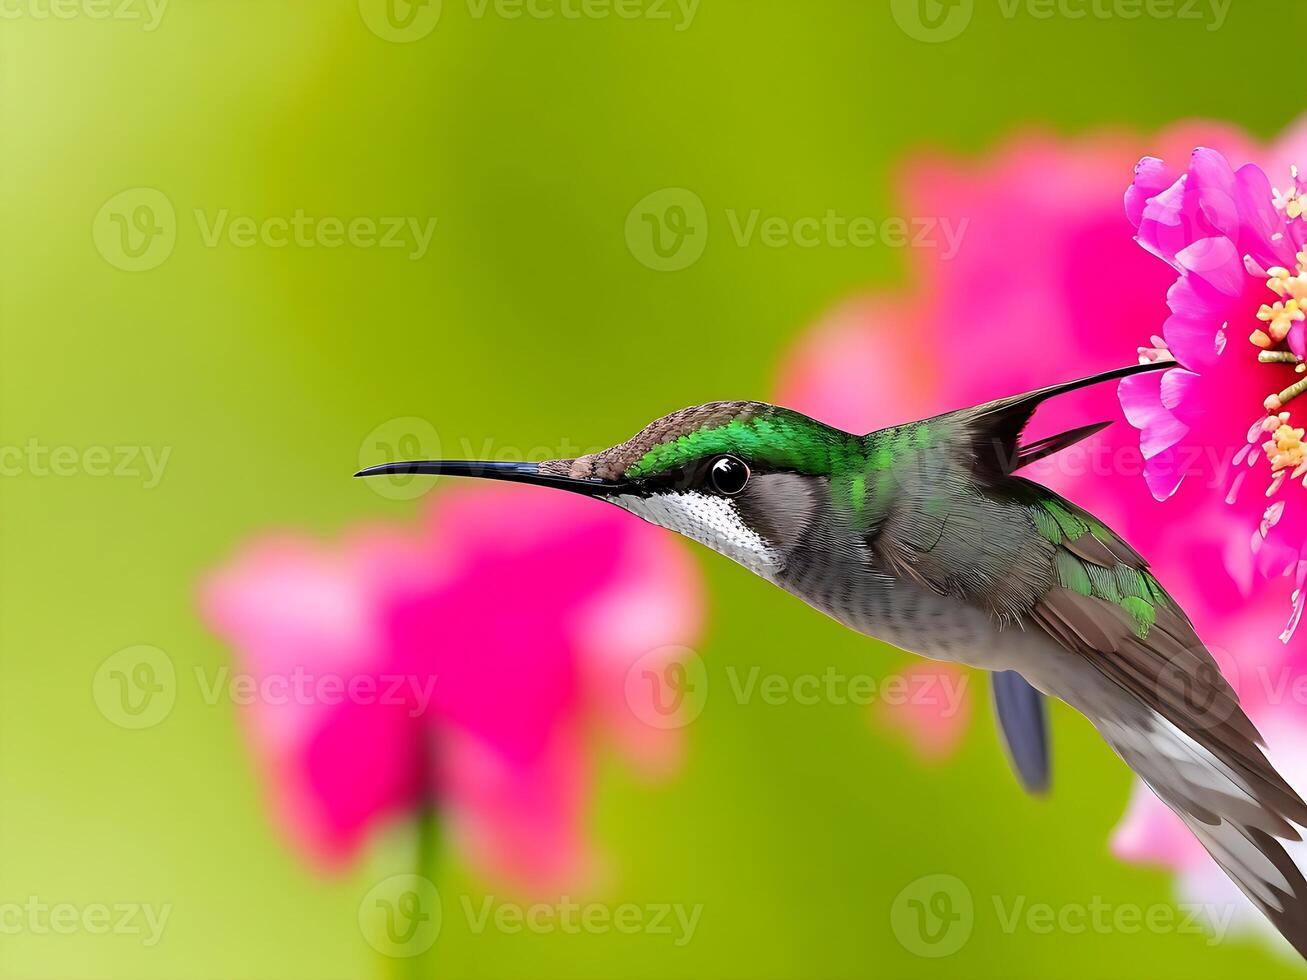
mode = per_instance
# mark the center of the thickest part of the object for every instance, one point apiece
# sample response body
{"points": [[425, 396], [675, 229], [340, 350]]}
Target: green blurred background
{"points": [[530, 321]]}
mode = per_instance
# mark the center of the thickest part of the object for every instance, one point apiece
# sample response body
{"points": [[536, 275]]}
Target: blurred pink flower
{"points": [[461, 663], [1237, 248], [861, 367], [931, 708]]}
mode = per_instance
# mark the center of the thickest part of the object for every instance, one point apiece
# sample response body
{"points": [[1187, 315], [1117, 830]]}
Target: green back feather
{"points": [[1125, 580]]}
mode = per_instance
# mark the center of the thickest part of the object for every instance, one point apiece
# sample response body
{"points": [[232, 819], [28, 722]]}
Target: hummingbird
{"points": [[923, 535]]}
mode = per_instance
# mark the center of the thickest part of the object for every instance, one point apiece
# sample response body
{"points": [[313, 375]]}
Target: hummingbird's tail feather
{"points": [[1240, 810], [1241, 831], [1125, 655], [1157, 696]]}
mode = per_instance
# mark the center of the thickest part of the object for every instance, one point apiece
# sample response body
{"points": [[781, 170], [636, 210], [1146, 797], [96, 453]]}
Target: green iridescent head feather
{"points": [[774, 437], [765, 436]]}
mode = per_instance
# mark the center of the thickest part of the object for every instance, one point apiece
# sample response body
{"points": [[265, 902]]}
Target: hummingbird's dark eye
{"points": [[728, 475]]}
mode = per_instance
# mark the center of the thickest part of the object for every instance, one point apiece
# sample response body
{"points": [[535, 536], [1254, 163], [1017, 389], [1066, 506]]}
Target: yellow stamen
{"points": [[1284, 450], [1279, 275], [1280, 317]]}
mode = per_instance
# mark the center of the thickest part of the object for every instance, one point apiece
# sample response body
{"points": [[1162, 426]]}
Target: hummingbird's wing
{"points": [[959, 523], [1174, 718], [1177, 721], [1160, 700], [943, 510], [1023, 723]]}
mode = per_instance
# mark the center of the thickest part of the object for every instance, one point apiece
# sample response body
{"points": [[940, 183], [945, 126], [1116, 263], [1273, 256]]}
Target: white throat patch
{"points": [[711, 520]]}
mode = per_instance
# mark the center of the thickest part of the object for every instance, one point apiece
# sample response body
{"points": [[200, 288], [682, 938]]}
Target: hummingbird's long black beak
{"points": [[512, 472]]}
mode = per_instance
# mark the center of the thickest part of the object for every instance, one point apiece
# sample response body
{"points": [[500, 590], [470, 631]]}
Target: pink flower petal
{"points": [[472, 662], [1216, 262], [1152, 176], [1145, 409]]}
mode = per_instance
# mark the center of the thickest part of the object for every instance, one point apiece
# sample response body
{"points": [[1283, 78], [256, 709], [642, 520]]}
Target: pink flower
{"points": [[460, 662], [1235, 325]]}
